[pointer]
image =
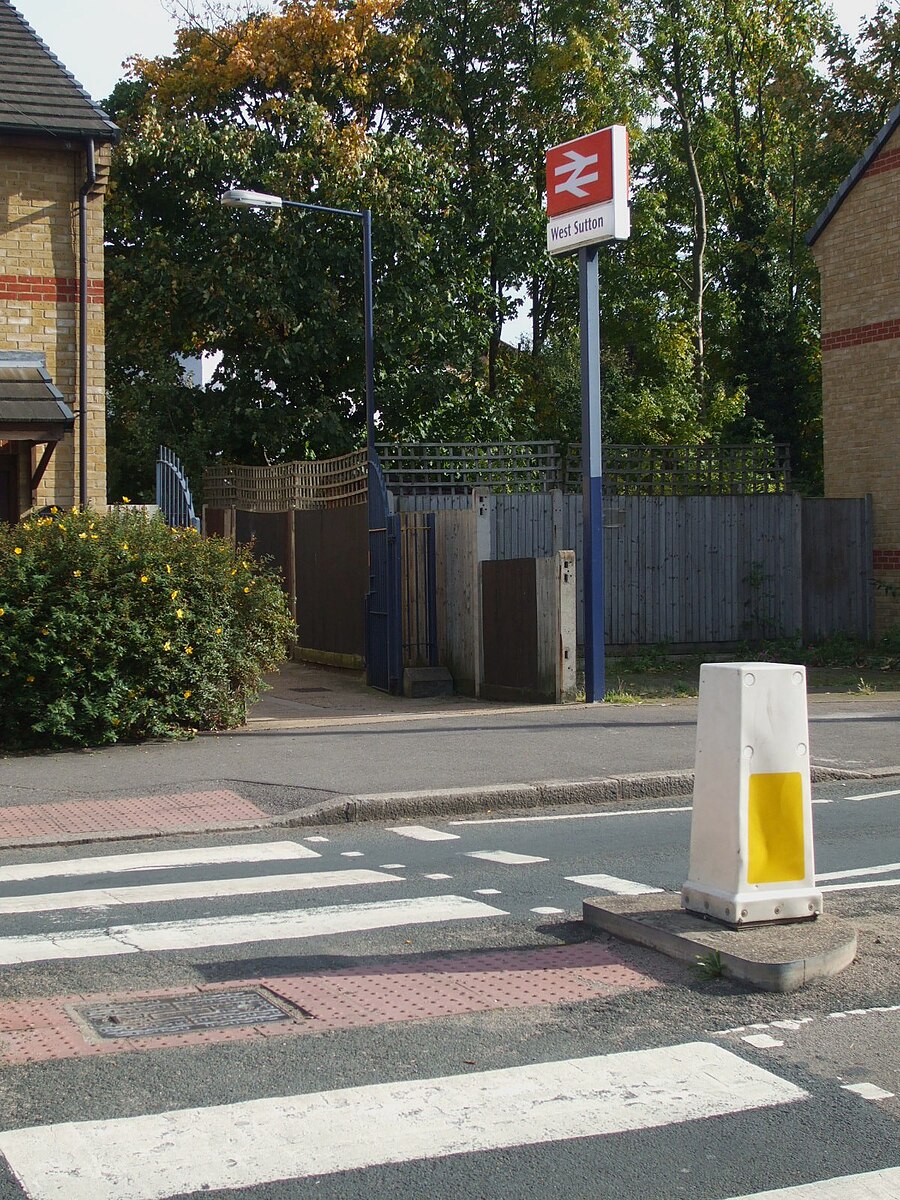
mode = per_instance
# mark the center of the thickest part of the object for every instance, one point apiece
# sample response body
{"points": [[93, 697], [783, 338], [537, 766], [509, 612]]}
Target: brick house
{"points": [[856, 245], [55, 146]]}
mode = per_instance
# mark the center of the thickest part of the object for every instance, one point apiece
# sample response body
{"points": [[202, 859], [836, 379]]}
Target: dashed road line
{"points": [[421, 833], [868, 1091], [507, 857]]}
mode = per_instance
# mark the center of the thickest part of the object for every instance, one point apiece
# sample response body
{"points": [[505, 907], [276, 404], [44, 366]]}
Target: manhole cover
{"points": [[297, 689], [182, 1014]]}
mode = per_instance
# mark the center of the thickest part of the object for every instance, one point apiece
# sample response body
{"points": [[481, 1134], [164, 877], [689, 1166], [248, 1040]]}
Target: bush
{"points": [[115, 627]]}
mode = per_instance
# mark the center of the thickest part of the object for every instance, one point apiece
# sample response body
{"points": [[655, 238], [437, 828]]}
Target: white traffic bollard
{"points": [[751, 828]]}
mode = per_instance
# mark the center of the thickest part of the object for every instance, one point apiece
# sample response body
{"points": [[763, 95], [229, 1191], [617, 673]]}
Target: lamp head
{"points": [[240, 198]]}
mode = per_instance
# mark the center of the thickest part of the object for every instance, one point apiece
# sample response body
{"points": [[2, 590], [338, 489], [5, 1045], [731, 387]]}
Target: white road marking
{"points": [[548, 912], [158, 860], [488, 892], [238, 930], [352, 854], [317, 838], [859, 887], [882, 870], [610, 883], [393, 866], [761, 1040], [247, 1144], [196, 889], [422, 834], [868, 1091], [505, 856], [875, 795], [872, 1185], [438, 876], [622, 812]]}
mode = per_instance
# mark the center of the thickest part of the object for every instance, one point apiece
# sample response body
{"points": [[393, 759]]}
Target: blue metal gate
{"points": [[173, 495], [384, 618]]}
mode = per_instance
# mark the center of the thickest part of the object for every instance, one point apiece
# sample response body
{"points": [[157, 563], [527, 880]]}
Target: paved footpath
{"points": [[320, 747]]}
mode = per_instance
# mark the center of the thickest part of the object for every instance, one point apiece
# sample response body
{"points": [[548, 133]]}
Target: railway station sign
{"points": [[587, 190]]}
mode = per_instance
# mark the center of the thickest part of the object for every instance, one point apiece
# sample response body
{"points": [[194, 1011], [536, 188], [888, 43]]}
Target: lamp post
{"points": [[240, 198]]}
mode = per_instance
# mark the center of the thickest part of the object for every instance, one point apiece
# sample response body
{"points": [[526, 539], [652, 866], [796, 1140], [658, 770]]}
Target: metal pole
{"points": [[592, 475], [369, 331]]}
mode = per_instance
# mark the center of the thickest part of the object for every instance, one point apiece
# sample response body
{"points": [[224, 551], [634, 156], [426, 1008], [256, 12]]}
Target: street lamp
{"points": [[241, 198]]}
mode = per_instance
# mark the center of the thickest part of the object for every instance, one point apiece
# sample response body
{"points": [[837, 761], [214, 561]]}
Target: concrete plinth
{"points": [[774, 958], [427, 681]]}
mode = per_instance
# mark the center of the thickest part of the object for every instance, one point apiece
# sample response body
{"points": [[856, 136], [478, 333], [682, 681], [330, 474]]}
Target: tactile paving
{"points": [[405, 989]]}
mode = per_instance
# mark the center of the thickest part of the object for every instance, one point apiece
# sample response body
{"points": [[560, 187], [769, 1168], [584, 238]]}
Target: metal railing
{"points": [[173, 493]]}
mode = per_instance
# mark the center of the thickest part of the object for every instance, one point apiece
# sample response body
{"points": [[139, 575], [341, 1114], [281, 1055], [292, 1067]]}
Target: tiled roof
{"points": [[37, 94], [859, 169], [30, 405]]}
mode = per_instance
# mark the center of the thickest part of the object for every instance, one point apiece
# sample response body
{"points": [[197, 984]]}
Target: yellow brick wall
{"points": [[858, 255], [39, 187]]}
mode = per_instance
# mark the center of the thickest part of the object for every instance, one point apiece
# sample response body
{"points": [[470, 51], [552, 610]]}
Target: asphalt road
{"points": [[800, 1124]]}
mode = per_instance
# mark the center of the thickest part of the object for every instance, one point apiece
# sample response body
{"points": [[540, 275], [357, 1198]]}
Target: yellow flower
{"points": [[179, 613], [219, 630], [76, 573], [124, 545], [53, 508], [234, 572], [125, 500], [94, 537], [61, 528], [18, 550], [115, 721], [189, 649], [2, 612], [168, 569], [45, 632], [246, 566], [187, 694], [26, 524], [145, 579], [246, 590], [167, 645], [173, 595], [29, 679], [83, 536]]}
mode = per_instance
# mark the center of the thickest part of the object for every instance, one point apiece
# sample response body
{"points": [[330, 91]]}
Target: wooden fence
{"points": [[695, 570], [322, 483]]}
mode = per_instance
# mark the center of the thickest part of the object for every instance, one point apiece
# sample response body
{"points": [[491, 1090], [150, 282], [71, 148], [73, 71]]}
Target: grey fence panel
{"points": [[839, 588], [689, 570], [432, 503]]}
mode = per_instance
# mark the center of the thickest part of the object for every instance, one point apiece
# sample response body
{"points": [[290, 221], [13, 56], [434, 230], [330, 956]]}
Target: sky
{"points": [[94, 37]]}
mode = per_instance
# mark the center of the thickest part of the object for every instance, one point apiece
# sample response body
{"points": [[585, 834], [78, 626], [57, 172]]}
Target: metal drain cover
{"points": [[182, 1014]]}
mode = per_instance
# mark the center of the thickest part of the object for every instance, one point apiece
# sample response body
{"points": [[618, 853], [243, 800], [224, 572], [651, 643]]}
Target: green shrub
{"points": [[115, 627]]}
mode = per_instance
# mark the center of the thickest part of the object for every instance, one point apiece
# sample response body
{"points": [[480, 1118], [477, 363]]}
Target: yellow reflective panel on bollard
{"points": [[751, 827], [775, 828]]}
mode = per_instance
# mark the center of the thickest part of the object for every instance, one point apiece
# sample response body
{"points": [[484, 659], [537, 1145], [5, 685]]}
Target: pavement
{"points": [[322, 748]]}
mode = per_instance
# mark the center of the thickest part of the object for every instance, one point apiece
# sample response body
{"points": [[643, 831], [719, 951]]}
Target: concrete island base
{"points": [[773, 958]]}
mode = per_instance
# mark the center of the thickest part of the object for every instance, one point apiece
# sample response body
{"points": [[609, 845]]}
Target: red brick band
{"points": [[886, 560], [57, 289], [888, 161], [878, 331]]}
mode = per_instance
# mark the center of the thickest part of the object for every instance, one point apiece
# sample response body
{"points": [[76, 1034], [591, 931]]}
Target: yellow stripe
{"points": [[775, 828]]}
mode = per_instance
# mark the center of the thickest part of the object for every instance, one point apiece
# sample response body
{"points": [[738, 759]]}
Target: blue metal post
{"points": [[592, 475]]}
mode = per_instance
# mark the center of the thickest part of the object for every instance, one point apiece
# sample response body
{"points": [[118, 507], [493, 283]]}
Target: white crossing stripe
{"points": [[859, 887], [238, 930], [611, 883], [194, 889], [858, 871], [875, 795], [872, 1185], [297, 1137], [505, 856], [422, 833], [103, 864]]}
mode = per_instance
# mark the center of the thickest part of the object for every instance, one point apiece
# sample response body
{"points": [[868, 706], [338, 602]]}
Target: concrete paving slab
{"points": [[773, 958]]}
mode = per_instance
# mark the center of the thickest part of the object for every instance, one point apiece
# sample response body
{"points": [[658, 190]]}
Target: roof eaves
{"points": [[105, 128], [859, 169]]}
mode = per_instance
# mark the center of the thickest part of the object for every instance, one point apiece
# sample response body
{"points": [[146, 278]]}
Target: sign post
{"points": [[587, 203]]}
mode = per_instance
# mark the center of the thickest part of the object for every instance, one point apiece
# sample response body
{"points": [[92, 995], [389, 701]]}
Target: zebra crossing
{"points": [[609, 1104]]}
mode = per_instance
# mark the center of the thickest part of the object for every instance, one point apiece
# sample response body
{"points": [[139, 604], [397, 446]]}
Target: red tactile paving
{"points": [[151, 814], [402, 990]]}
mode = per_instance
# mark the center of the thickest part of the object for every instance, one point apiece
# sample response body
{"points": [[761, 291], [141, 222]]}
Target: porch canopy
{"points": [[32, 409]]}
